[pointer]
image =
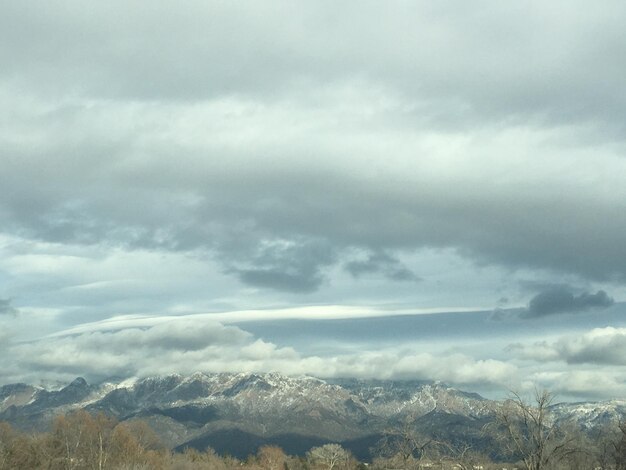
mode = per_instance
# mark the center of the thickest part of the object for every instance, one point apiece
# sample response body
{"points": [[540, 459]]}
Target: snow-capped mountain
{"points": [[237, 412], [591, 415]]}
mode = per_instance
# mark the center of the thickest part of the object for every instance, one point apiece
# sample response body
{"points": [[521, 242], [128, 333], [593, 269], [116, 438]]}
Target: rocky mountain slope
{"points": [[236, 413]]}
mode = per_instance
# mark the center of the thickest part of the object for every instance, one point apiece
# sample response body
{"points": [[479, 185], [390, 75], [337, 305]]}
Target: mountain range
{"points": [[237, 413]]}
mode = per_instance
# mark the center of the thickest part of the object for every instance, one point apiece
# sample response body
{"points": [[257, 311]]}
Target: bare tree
{"points": [[619, 447], [405, 444], [329, 455], [67, 440], [7, 436], [465, 456], [82, 440], [271, 457], [528, 431]]}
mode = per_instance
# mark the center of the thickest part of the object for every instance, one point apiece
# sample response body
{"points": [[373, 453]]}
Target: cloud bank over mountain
{"points": [[186, 346]]}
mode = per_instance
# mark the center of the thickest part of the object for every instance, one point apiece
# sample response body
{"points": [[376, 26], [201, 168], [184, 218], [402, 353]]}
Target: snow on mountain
{"points": [[200, 409], [591, 415]]}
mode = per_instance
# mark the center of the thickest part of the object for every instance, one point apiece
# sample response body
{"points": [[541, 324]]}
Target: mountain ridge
{"points": [[201, 409]]}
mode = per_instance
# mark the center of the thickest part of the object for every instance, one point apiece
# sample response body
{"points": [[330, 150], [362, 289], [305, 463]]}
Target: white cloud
{"points": [[592, 384], [186, 345], [604, 346]]}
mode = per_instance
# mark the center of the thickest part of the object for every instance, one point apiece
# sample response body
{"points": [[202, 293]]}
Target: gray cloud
{"points": [[287, 266], [381, 263], [212, 198], [6, 308], [220, 142], [297, 282], [493, 68], [561, 299]]}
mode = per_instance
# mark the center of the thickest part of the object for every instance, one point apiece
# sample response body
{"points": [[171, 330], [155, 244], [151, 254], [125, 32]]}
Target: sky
{"points": [[424, 190]]}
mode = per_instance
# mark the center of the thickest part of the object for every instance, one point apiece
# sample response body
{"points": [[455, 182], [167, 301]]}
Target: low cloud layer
{"points": [[190, 345], [289, 342]]}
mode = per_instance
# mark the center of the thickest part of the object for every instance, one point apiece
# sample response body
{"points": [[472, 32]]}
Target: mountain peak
{"points": [[78, 382]]}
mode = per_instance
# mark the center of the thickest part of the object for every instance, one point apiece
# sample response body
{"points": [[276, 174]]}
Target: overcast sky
{"points": [[222, 185]]}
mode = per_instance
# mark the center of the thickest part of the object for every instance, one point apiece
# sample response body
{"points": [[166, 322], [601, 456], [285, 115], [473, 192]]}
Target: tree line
{"points": [[523, 433], [84, 441]]}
